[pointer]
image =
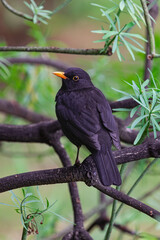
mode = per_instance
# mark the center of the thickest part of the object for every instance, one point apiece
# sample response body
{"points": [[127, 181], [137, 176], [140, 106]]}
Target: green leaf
{"points": [[133, 111], [100, 31], [156, 108], [154, 100], [134, 18], [154, 127], [134, 35], [141, 132], [137, 120], [124, 93], [111, 10], [97, 5], [130, 7], [140, 14], [128, 47], [109, 19], [135, 88], [109, 34], [135, 48], [147, 236], [101, 40], [121, 109], [143, 101], [118, 23], [152, 78], [145, 97], [61, 217], [155, 123], [47, 202], [13, 197], [133, 40], [115, 43], [119, 54], [129, 25], [145, 83], [140, 103], [122, 5]]}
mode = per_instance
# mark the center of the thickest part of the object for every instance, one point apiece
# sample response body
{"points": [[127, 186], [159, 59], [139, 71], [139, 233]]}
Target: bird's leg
{"points": [[77, 162]]}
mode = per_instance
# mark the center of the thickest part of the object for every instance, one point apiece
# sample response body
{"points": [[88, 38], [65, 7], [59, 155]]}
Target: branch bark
{"points": [[78, 51], [86, 172], [43, 132], [38, 61], [15, 109], [148, 60]]}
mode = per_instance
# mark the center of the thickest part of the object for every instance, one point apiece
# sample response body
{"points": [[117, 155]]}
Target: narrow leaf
{"points": [[137, 120], [141, 132], [122, 5], [134, 110], [115, 43], [128, 47]]}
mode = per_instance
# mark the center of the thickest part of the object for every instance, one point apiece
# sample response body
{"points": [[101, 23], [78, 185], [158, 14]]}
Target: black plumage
{"points": [[86, 119]]}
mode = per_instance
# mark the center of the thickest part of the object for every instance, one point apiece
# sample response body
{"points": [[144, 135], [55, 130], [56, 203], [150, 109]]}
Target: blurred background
{"points": [[35, 88]]}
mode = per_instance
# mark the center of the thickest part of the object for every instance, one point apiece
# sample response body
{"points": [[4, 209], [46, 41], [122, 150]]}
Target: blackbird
{"points": [[86, 119]]}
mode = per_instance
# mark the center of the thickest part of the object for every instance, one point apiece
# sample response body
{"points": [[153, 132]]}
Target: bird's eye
{"points": [[75, 78]]}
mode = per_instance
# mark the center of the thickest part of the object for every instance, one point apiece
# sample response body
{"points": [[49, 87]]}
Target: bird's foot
{"points": [[77, 162]]}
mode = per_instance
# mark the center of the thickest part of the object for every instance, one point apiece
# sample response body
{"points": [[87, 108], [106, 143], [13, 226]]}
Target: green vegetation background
{"points": [[35, 88]]}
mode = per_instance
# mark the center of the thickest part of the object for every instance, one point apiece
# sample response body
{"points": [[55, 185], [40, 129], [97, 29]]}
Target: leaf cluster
{"points": [[32, 208], [39, 13], [147, 111], [117, 35]]}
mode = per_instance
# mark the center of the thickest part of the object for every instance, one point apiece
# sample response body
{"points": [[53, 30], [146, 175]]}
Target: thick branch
{"points": [[72, 174], [43, 132], [127, 103], [15, 109], [39, 61], [77, 209], [28, 133]]}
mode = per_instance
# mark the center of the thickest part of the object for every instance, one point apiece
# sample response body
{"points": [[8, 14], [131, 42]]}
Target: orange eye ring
{"points": [[75, 78]]}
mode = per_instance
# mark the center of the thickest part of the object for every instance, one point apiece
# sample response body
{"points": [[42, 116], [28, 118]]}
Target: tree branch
{"points": [[43, 132], [15, 109], [14, 11], [80, 51], [149, 27], [77, 209], [39, 61], [86, 172], [153, 11]]}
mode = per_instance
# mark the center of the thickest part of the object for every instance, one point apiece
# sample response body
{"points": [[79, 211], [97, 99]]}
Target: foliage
{"points": [[39, 14], [28, 89], [32, 208], [147, 112], [117, 36]]}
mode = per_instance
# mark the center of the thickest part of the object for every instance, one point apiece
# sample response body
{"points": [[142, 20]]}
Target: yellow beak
{"points": [[60, 74]]}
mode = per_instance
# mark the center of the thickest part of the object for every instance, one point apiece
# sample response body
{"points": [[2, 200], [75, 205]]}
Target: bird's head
{"points": [[74, 78]]}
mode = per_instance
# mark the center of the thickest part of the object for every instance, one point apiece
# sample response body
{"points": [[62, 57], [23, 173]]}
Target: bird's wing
{"points": [[107, 118], [80, 119]]}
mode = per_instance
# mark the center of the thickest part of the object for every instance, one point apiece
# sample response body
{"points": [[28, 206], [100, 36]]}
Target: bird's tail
{"points": [[106, 167]]}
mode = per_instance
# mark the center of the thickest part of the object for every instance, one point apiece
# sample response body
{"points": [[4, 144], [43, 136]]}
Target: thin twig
{"points": [[153, 11], [136, 182], [149, 26], [72, 174], [113, 213], [39, 61], [14, 11], [80, 51]]}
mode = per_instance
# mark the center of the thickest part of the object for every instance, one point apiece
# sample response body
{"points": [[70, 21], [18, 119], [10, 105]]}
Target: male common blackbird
{"points": [[86, 119]]}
